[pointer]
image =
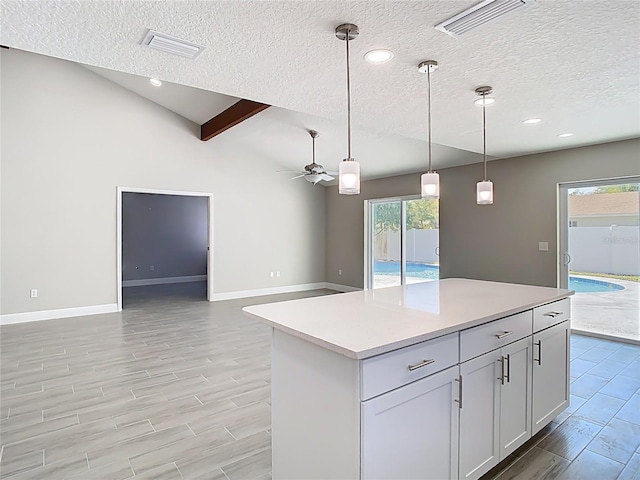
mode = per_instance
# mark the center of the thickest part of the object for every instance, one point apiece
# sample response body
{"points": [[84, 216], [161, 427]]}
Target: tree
{"points": [[386, 216], [629, 187], [422, 214]]}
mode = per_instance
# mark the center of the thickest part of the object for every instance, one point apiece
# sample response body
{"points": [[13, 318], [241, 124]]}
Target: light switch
{"points": [[543, 246]]}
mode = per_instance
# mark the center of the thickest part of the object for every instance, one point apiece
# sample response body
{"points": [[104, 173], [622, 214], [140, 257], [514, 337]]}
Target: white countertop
{"points": [[370, 322]]}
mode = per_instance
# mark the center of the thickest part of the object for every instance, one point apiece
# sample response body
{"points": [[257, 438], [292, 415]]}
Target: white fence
{"points": [[605, 249], [421, 245]]}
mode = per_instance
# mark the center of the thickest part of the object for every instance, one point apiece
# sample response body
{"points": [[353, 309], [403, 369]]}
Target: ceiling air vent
{"points": [[476, 16], [168, 44]]}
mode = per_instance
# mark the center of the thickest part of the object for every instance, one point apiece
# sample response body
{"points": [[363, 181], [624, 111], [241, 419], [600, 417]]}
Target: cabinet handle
{"points": [[459, 401], [502, 335], [423, 363], [539, 359], [501, 377], [508, 375], [552, 314]]}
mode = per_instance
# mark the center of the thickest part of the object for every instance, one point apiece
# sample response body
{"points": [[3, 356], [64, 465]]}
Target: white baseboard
{"points": [[285, 289], [11, 318], [341, 288], [159, 281]]}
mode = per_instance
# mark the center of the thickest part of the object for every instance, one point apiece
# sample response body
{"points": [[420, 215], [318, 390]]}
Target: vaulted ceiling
{"points": [[575, 65]]}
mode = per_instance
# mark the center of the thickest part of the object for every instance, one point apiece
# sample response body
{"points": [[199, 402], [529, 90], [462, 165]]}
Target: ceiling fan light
{"points": [[484, 192], [313, 178], [430, 185], [349, 177]]}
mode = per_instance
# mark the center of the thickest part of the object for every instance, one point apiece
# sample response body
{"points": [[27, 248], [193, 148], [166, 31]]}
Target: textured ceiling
{"points": [[575, 64]]}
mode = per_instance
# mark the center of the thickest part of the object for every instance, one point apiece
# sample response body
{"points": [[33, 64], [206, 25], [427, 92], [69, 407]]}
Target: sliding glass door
{"points": [[599, 257], [402, 247]]}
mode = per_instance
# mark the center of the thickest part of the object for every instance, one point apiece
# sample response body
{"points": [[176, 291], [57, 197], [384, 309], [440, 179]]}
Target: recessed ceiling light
{"points": [[155, 82], [531, 121], [378, 56], [487, 101], [565, 135]]}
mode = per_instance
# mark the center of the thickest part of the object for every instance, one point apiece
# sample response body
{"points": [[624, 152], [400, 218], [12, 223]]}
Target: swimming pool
{"points": [[414, 269], [432, 272], [588, 285]]}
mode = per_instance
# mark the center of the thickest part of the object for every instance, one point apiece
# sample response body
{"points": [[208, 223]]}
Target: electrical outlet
{"points": [[34, 293], [278, 274], [543, 246], [271, 274], [152, 268], [339, 271]]}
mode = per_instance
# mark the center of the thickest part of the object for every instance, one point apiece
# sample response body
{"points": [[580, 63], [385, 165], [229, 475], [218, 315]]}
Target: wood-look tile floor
{"points": [[175, 387]]}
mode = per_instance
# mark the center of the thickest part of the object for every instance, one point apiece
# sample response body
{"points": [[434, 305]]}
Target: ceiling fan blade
{"points": [[331, 173], [298, 176], [326, 177]]}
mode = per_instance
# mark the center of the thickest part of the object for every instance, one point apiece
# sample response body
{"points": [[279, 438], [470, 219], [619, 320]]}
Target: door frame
{"points": [[121, 191], [564, 258]]}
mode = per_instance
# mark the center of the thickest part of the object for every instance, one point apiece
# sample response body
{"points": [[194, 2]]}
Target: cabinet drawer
{"points": [[551, 314], [392, 370], [489, 336]]}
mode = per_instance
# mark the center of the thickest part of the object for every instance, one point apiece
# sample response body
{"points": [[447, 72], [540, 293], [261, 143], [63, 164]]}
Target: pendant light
{"points": [[430, 181], [349, 169], [484, 190]]}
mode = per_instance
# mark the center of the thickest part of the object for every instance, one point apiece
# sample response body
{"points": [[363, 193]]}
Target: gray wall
{"points": [[497, 242], [163, 236], [70, 138]]}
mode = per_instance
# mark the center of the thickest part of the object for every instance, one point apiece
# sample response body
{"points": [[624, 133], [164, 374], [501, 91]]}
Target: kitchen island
{"points": [[433, 380]]}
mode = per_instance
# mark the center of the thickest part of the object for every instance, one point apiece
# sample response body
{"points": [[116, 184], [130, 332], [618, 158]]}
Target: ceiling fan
{"points": [[313, 172]]}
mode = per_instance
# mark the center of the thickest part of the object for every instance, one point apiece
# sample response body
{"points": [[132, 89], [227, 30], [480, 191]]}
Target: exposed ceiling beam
{"points": [[236, 113]]}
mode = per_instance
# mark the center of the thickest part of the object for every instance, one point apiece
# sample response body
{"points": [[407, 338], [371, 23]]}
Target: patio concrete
{"points": [[615, 313]]}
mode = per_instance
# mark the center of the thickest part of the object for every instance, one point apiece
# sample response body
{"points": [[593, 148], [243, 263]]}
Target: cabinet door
{"points": [[550, 374], [480, 415], [412, 432], [515, 396]]}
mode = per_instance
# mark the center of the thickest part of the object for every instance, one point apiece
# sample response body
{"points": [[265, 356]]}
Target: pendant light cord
{"points": [[348, 102], [484, 134], [429, 112], [314, 148]]}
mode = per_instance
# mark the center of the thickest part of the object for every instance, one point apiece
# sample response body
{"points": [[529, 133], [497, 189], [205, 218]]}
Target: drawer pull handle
{"points": [[423, 363], [502, 335], [553, 314]]}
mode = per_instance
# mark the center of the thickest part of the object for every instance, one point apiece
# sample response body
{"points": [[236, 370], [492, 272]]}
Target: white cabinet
{"points": [[550, 374], [412, 432], [515, 396], [495, 418], [479, 415]]}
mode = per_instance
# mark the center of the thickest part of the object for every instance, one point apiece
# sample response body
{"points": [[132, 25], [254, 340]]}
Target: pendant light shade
{"points": [[484, 192], [349, 177], [430, 185], [430, 181], [349, 169], [484, 189]]}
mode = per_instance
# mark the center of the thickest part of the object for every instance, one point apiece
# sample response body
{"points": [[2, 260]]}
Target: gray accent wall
{"points": [[163, 236], [497, 242], [71, 137]]}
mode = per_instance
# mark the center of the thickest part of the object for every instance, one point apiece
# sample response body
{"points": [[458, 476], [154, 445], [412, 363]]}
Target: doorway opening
{"points": [[600, 256], [163, 245], [402, 241]]}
